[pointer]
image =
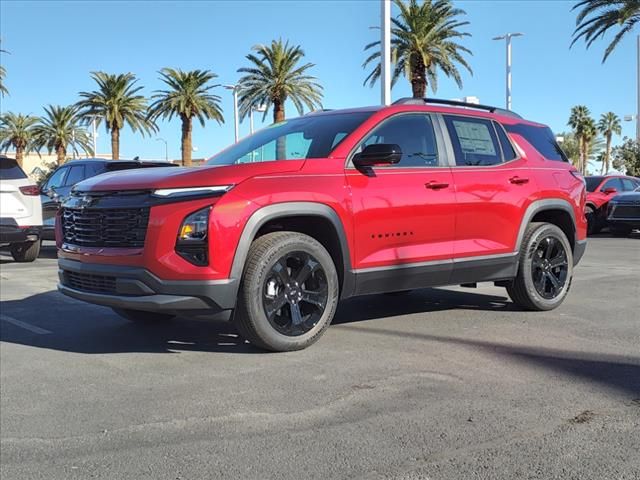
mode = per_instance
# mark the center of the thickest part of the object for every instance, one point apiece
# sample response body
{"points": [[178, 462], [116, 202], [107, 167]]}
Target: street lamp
{"points": [[166, 148], [234, 89], [385, 52], [507, 37], [257, 108]]}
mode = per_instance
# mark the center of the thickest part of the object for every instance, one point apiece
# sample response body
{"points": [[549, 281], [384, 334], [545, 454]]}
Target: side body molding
{"points": [[294, 209]]}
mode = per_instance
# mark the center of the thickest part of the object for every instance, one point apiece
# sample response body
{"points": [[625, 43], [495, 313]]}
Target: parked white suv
{"points": [[20, 212]]}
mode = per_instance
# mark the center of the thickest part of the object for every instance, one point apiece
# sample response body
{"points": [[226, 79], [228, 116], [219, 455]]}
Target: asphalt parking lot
{"points": [[437, 384]]}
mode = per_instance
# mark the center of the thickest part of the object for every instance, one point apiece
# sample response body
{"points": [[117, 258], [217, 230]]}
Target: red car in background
{"points": [[601, 189]]}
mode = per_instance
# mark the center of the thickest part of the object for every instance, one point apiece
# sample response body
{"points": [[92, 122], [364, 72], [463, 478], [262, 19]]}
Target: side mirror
{"points": [[378, 154], [610, 190]]}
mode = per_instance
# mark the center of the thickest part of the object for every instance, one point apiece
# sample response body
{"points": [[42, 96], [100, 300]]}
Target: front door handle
{"points": [[436, 185], [518, 180]]}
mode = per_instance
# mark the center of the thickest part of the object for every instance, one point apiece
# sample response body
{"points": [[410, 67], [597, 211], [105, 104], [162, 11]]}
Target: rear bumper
{"points": [[10, 232], [139, 289]]}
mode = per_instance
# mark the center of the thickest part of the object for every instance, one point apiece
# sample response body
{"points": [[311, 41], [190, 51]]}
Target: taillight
{"points": [[31, 190]]}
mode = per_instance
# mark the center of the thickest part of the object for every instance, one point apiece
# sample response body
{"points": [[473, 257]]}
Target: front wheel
{"points": [[593, 225], [545, 268], [289, 292], [26, 251]]}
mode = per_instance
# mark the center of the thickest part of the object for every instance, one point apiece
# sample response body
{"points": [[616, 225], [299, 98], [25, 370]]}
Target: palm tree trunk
{"points": [[418, 78], [19, 154], [278, 116], [115, 143], [187, 127], [580, 153], [607, 155], [61, 153]]}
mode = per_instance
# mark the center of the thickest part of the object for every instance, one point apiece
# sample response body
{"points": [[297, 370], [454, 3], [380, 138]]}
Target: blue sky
{"points": [[54, 45]]}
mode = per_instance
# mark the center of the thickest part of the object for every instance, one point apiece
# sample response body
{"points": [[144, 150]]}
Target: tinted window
{"points": [[76, 174], [628, 185], [508, 153], [474, 141], [592, 183], [57, 179], [612, 183], [9, 169], [541, 138], [415, 136], [310, 136]]}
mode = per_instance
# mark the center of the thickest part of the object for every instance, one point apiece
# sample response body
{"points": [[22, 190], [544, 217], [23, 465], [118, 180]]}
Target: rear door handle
{"points": [[436, 185], [518, 180]]}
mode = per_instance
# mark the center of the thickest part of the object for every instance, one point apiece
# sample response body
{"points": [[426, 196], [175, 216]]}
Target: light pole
{"points": [[638, 94], [234, 89], [507, 37], [259, 108], [385, 52], [166, 148]]}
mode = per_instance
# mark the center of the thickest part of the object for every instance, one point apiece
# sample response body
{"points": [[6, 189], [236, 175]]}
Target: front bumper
{"points": [[10, 232], [137, 288]]}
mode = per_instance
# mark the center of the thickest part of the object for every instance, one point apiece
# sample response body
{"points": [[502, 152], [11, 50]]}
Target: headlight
{"points": [[191, 191], [192, 243]]}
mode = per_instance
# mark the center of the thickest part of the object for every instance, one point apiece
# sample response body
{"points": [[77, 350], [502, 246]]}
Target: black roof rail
{"points": [[455, 103]]}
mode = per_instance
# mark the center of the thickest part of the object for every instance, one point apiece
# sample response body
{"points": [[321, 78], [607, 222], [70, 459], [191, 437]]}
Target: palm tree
{"points": [[16, 131], [608, 125], [276, 76], [589, 132], [59, 129], [117, 102], [570, 147], [596, 17], [579, 120], [188, 97], [424, 40], [3, 89]]}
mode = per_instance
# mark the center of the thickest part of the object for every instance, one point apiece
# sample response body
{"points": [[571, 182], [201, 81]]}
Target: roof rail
{"points": [[454, 103]]}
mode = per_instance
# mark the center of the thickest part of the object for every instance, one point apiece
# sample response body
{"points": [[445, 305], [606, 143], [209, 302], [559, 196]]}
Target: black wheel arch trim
{"points": [[539, 206], [294, 209]]}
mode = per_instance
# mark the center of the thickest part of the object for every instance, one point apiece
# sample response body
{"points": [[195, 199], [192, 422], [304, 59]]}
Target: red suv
{"points": [[282, 225], [600, 190]]}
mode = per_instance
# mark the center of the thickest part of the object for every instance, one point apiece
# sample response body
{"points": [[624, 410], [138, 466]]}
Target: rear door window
{"points": [[57, 179], [628, 185], [9, 170], [612, 183], [508, 153], [541, 138], [474, 140]]}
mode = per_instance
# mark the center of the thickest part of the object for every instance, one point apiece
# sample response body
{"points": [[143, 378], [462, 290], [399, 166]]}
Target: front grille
{"points": [[626, 211], [90, 282], [98, 227]]}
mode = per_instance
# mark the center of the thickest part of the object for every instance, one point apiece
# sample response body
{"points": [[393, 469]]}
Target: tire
{"points": [[26, 251], [593, 225], [533, 288], [142, 316], [620, 230], [289, 292]]}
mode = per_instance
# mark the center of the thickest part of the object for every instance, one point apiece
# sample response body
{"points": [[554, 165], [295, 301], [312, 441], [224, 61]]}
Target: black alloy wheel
{"points": [[295, 293], [549, 267]]}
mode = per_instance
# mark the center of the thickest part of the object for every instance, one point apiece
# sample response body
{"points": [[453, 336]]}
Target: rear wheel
{"points": [[545, 268], [289, 292], [26, 251], [142, 316]]}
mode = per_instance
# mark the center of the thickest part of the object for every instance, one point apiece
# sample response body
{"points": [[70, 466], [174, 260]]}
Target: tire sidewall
{"points": [[540, 233], [253, 286]]}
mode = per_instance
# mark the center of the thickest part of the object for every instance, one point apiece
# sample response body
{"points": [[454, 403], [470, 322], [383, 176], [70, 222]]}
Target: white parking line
{"points": [[25, 325]]}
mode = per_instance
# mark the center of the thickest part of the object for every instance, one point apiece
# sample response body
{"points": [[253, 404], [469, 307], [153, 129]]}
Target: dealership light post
{"points": [[259, 108], [236, 125], [507, 37], [385, 52]]}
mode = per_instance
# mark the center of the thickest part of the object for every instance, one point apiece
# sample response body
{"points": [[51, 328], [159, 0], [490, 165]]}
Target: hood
{"points": [[181, 177], [628, 197]]}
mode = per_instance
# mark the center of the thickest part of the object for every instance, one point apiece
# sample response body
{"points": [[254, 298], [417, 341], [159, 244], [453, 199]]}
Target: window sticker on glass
{"points": [[474, 138]]}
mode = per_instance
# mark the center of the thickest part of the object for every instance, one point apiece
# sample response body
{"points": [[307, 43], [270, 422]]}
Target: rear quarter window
{"points": [[9, 170], [541, 138]]}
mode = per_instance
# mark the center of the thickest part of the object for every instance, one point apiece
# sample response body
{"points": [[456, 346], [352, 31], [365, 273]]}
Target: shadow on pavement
{"points": [[619, 372]]}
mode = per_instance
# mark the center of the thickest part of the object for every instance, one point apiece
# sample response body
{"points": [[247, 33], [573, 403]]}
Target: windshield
{"points": [[311, 136], [592, 183]]}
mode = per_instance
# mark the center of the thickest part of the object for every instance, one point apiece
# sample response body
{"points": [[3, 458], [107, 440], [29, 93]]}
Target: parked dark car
{"points": [[601, 189], [623, 214], [58, 186]]}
